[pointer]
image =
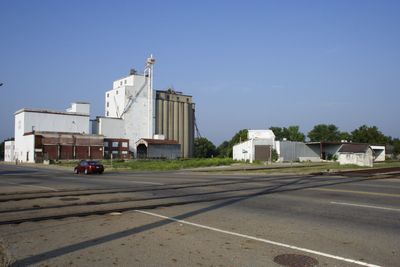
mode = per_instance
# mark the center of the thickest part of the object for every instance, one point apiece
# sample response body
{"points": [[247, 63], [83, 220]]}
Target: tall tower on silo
{"points": [[175, 119]]}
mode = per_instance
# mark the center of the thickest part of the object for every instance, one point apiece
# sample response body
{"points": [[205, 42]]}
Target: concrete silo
{"points": [[175, 119]]}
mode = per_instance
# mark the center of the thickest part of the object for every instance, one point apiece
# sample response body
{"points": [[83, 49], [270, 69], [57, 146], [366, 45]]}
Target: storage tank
{"points": [[175, 119]]}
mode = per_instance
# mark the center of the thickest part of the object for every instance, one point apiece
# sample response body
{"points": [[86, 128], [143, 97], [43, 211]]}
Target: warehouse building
{"points": [[52, 135], [64, 146]]}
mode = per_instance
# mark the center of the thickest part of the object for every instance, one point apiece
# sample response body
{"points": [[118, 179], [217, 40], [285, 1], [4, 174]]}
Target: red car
{"points": [[87, 167]]}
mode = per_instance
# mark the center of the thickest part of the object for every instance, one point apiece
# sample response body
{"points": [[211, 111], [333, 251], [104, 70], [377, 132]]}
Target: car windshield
{"points": [[93, 163]]}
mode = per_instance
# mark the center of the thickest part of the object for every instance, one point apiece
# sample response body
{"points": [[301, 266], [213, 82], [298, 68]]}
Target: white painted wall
{"points": [[111, 127], [9, 151], [131, 94], [115, 102], [243, 151], [28, 120], [80, 107], [25, 148], [359, 159]]}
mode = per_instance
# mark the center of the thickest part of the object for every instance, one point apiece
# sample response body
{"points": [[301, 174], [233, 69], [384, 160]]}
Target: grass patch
{"points": [[165, 165], [157, 165]]}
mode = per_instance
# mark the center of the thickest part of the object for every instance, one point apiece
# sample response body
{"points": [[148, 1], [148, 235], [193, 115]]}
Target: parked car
{"points": [[87, 167]]}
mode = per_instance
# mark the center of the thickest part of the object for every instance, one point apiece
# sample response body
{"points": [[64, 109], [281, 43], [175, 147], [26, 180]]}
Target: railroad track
{"points": [[33, 207]]}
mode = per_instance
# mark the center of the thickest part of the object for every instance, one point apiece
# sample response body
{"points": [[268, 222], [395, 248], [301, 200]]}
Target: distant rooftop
{"points": [[47, 111]]}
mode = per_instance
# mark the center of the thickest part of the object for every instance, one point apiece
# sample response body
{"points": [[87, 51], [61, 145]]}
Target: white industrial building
{"points": [[129, 108], [27, 121], [129, 116], [258, 146]]}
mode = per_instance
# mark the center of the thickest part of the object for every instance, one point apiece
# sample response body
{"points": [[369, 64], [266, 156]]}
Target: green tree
{"points": [[369, 135], [291, 133], [279, 133], [274, 155], [345, 136], [396, 146], [324, 132], [226, 148], [223, 149], [203, 148]]}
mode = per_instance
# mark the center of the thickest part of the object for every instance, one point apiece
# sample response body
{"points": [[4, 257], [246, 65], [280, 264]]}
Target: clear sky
{"points": [[247, 64]]}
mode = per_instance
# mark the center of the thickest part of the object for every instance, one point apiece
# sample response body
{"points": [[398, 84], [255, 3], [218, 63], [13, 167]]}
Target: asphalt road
{"points": [[51, 217]]}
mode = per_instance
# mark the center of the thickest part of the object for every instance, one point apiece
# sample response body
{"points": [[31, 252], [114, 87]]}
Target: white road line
{"points": [[34, 186], [260, 239], [364, 206]]}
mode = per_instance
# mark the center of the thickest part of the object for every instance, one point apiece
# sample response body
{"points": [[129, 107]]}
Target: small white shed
{"points": [[258, 146], [357, 154]]}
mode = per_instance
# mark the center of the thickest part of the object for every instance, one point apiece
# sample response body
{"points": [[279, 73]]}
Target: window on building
{"points": [[105, 144], [114, 144], [115, 152], [120, 83], [108, 95], [108, 113], [125, 81], [124, 144], [108, 104], [124, 152], [116, 92]]}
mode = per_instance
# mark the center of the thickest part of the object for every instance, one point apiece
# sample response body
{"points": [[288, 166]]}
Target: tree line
{"points": [[204, 148]]}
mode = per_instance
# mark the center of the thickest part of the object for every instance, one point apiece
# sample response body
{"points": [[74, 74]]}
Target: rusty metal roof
{"points": [[354, 148], [157, 142]]}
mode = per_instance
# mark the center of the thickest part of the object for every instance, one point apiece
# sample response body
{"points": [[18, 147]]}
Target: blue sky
{"points": [[248, 64]]}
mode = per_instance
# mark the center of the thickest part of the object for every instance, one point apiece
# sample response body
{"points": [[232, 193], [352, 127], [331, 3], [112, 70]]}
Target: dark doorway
{"points": [[262, 153], [141, 151]]}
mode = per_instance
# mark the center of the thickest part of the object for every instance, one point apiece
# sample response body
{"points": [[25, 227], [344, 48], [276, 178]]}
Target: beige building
{"points": [[175, 118]]}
